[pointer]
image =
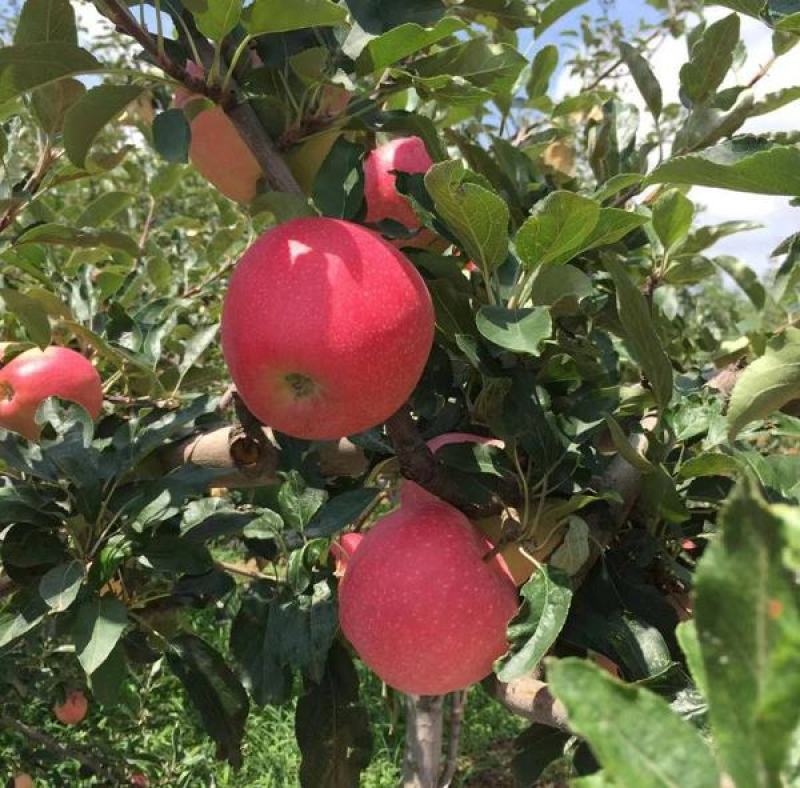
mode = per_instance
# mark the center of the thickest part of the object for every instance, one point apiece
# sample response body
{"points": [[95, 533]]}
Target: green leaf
{"points": [[749, 7], [339, 185], [46, 20], [105, 207], [613, 224], [195, 346], [215, 692], [332, 727], [172, 136], [710, 464], [27, 66], [477, 216], [339, 512], [643, 77], [640, 334], [402, 41], [215, 18], [378, 17], [63, 235], [573, 553], [547, 596], [624, 447], [59, 587], [87, 117], [51, 102], [98, 627], [108, 681], [553, 11], [542, 68], [745, 164], [30, 314], [555, 285], [534, 750], [278, 16], [766, 385], [745, 277], [557, 230], [520, 330], [747, 615], [772, 101], [24, 613], [634, 734], [711, 59], [673, 213]]}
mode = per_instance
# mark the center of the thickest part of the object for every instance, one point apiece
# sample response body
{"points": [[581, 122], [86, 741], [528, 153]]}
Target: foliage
{"points": [[591, 329]]}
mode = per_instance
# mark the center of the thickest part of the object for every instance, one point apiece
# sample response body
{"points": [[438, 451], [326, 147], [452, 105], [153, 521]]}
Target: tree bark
{"points": [[423, 751]]}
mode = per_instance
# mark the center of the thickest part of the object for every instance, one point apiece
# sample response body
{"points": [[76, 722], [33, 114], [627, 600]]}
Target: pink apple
{"points": [[419, 604], [33, 376], [326, 328], [217, 151], [73, 709], [406, 154]]}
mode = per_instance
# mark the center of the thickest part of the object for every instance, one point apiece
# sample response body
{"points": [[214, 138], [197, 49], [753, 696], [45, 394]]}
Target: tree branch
{"points": [[423, 750], [458, 700], [529, 698]]}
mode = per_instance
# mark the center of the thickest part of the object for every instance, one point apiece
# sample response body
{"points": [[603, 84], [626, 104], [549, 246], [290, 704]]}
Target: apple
{"points": [[418, 602], [217, 151], [35, 375], [23, 780], [342, 550], [517, 564], [326, 328], [73, 709], [406, 154], [140, 780]]}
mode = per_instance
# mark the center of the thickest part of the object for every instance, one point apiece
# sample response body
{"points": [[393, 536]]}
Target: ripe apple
{"points": [[418, 602], [326, 328], [342, 550], [406, 154], [517, 564], [217, 151], [36, 374], [23, 780], [73, 709]]}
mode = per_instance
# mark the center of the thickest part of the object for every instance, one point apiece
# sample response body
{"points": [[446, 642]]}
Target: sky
{"points": [[775, 213]]}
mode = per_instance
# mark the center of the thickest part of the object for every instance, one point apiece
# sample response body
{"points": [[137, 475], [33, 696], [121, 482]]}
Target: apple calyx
{"points": [[301, 386]]}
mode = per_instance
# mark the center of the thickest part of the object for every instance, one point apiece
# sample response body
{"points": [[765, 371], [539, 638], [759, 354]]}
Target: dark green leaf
{"points": [[711, 59], [745, 277], [60, 586], [542, 68], [553, 11], [105, 207], [339, 512], [98, 627], [534, 750], [51, 102], [25, 611], [520, 330], [613, 224], [339, 185], [672, 217], [30, 314], [379, 16], [172, 135], [643, 77], [46, 20]]}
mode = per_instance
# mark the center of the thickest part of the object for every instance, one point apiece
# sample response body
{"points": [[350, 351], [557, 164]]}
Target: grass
{"points": [[154, 732]]}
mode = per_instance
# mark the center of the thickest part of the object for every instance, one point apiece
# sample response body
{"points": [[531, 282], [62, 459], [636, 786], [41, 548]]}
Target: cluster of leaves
{"points": [[583, 318]]}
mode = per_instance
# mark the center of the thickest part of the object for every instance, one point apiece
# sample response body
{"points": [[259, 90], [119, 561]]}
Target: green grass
{"points": [[156, 733]]}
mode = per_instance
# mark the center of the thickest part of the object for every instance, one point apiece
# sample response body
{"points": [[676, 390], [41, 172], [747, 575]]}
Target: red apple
{"points": [[418, 602], [36, 374], [23, 780], [342, 550], [406, 154], [73, 709], [326, 328], [217, 151]]}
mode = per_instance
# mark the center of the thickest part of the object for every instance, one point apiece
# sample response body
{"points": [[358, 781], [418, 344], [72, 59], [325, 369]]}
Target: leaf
{"points": [[745, 277], [46, 20], [557, 229], [63, 235], [27, 66], [60, 586], [554, 285], [195, 346], [400, 42], [634, 734], [640, 333], [215, 692], [613, 224], [749, 634], [745, 164], [643, 77], [51, 102], [749, 7], [332, 727], [24, 613], [520, 330], [278, 16], [339, 185], [339, 512], [215, 18], [477, 216], [573, 552], [30, 314], [544, 64], [534, 750], [547, 596], [766, 385], [673, 213], [710, 464], [87, 117], [98, 627], [772, 101], [172, 136], [553, 11], [105, 207], [378, 16], [711, 59]]}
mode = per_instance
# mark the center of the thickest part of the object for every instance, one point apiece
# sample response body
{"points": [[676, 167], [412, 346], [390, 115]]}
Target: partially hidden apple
{"points": [[326, 328], [519, 565], [405, 154], [33, 376], [74, 708], [23, 780], [418, 602], [217, 150]]}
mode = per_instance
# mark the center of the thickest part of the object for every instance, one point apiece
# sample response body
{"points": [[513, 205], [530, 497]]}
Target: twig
{"points": [[457, 700], [529, 698], [239, 569], [762, 72], [31, 187], [192, 291]]}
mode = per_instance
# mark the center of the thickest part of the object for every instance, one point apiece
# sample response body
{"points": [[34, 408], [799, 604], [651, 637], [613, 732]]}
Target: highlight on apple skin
{"points": [[216, 150], [33, 376], [418, 602], [326, 328]]}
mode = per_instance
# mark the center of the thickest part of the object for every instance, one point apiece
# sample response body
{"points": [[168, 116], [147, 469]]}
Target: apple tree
{"points": [[485, 406]]}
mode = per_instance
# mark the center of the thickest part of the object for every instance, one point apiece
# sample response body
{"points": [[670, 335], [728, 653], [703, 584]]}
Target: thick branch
{"points": [[529, 698], [423, 751]]}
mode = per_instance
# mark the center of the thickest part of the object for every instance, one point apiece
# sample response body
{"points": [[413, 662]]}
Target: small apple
{"points": [[35, 375], [326, 328], [418, 602], [73, 709], [342, 550], [406, 154], [217, 151], [140, 780], [23, 780]]}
